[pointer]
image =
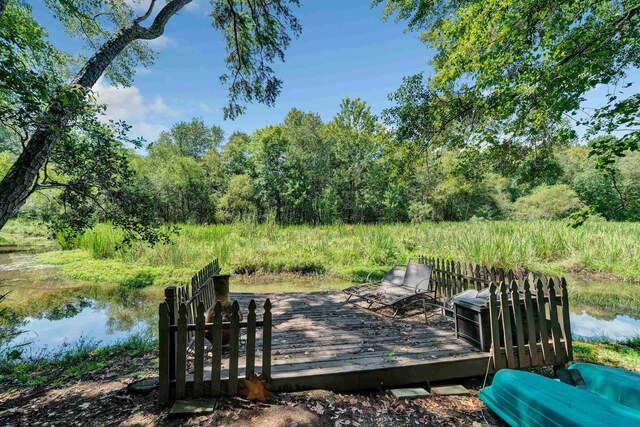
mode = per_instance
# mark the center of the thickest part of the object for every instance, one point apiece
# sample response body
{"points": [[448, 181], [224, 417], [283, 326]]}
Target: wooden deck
{"points": [[320, 341]]}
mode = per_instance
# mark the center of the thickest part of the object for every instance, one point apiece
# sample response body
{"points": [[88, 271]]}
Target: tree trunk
{"points": [[19, 182], [3, 5]]}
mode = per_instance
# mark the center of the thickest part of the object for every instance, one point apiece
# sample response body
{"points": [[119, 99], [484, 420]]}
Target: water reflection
{"points": [[96, 316], [90, 323], [52, 312], [621, 327]]}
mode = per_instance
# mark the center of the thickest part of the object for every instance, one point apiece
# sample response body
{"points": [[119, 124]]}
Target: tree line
{"points": [[353, 169], [491, 134]]}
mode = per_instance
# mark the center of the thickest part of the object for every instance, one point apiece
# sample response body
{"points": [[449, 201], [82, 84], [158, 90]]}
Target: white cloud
{"points": [[139, 5], [196, 6], [161, 42], [123, 103], [149, 131], [158, 106], [147, 118]]}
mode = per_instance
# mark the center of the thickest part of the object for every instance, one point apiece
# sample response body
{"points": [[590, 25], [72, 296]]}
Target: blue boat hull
{"points": [[531, 400], [617, 385]]}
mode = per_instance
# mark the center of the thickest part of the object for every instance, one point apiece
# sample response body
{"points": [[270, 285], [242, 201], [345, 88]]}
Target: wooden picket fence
{"points": [[192, 292], [173, 378], [530, 324], [452, 277], [182, 328], [529, 314]]}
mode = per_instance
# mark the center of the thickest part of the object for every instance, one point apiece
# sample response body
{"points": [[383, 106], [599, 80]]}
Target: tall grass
{"points": [[345, 250]]}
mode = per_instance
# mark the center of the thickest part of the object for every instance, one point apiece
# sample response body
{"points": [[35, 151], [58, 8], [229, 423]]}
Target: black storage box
{"points": [[472, 322]]}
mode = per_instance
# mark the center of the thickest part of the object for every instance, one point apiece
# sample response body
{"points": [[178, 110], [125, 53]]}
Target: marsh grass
{"points": [[610, 297], [611, 249]]}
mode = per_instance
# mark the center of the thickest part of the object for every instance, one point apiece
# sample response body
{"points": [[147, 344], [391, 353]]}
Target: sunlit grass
{"points": [[619, 354], [607, 254], [342, 250]]}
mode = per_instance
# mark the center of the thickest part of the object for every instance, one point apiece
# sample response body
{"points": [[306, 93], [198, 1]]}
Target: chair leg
{"points": [[395, 313]]}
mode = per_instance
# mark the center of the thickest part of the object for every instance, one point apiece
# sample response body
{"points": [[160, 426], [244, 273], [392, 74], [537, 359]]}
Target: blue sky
{"points": [[345, 50]]}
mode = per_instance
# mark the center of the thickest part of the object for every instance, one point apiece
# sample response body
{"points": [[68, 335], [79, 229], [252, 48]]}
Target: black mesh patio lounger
{"points": [[397, 289]]}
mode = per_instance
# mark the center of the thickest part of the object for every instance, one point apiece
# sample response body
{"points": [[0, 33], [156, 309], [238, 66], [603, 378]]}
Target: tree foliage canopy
{"points": [[505, 68], [46, 99]]}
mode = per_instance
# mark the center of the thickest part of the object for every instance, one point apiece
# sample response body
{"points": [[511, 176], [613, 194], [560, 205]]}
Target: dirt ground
{"points": [[104, 400]]}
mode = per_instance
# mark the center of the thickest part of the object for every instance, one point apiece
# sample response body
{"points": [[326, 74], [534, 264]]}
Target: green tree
{"points": [[504, 68], [358, 140], [236, 155], [47, 103], [310, 157], [178, 182], [194, 138], [237, 203], [547, 202], [614, 200], [452, 186], [271, 171]]}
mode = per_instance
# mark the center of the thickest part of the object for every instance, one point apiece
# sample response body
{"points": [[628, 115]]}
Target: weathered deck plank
{"points": [[321, 341]]}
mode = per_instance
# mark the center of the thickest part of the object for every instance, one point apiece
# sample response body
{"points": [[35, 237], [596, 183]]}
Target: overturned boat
{"points": [[526, 399]]}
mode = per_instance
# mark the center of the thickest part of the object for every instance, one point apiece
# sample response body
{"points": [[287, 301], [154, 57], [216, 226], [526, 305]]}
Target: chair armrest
{"points": [[419, 283], [369, 275]]}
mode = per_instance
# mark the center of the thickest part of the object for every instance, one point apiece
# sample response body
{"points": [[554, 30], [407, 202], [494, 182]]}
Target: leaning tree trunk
{"points": [[19, 182], [3, 5]]}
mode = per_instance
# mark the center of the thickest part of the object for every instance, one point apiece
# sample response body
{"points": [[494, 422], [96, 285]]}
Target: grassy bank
{"points": [[623, 354], [75, 363], [330, 257], [607, 250]]}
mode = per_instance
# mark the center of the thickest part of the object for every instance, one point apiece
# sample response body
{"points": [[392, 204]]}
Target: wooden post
{"points": [[221, 288], [479, 283], [542, 321], [494, 311], [556, 332], [171, 299], [163, 349], [566, 327], [523, 358], [234, 341], [251, 341], [181, 347], [198, 374], [506, 326], [531, 324], [266, 340], [216, 362]]}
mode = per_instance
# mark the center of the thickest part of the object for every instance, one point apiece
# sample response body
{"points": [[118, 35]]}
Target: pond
{"points": [[621, 327], [49, 314]]}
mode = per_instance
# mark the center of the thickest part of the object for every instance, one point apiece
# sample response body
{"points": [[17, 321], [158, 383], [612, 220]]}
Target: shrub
{"points": [[420, 212], [139, 281], [547, 202]]}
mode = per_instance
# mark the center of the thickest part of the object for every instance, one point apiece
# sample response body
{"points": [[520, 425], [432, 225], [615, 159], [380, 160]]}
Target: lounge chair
{"points": [[397, 289]]}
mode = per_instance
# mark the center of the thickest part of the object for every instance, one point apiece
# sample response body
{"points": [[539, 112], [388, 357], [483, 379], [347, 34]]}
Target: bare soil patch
{"points": [[102, 399]]}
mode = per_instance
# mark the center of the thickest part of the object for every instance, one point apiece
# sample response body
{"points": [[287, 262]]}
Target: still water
{"points": [[89, 321], [51, 314], [621, 327]]}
